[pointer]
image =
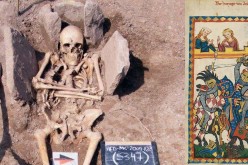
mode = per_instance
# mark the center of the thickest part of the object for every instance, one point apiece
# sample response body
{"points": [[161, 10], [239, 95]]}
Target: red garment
{"points": [[234, 44], [242, 133]]}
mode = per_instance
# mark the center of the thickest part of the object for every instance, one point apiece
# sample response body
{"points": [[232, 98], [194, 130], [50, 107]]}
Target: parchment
{"points": [[210, 8]]}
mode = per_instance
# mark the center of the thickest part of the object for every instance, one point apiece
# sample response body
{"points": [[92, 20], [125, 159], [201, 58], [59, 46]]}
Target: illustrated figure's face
{"points": [[211, 83], [205, 33], [244, 76], [227, 35]]}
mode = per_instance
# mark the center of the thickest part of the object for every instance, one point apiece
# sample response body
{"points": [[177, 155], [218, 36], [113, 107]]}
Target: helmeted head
{"points": [[71, 44], [244, 75], [208, 77]]}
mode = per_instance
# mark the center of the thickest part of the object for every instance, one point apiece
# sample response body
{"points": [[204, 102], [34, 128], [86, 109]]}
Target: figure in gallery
{"points": [[202, 42], [229, 42]]}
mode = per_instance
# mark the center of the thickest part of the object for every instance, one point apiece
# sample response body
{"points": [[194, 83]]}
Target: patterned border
{"points": [[192, 21]]}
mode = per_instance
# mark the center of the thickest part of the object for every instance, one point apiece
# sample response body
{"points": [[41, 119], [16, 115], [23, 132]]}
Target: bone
{"points": [[82, 89], [67, 75], [67, 78], [45, 86], [75, 74], [55, 138], [95, 138], [81, 80], [41, 136], [77, 68], [89, 67], [90, 116], [44, 64], [63, 63], [76, 95], [69, 96], [75, 123], [44, 95], [95, 59], [56, 102]]}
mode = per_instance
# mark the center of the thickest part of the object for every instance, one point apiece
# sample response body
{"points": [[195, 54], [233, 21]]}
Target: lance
{"points": [[213, 67]]}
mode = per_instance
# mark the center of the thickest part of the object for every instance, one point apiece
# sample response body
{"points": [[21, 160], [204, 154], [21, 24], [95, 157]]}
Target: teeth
{"points": [[71, 58]]}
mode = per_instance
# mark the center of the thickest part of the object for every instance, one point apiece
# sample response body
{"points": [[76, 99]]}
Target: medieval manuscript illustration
{"points": [[218, 90]]}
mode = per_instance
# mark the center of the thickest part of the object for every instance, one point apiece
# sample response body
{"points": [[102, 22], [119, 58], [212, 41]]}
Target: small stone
{"points": [[70, 11], [50, 26], [93, 22], [115, 56], [19, 64]]}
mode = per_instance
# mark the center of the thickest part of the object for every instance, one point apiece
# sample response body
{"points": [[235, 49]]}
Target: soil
{"points": [[147, 105]]}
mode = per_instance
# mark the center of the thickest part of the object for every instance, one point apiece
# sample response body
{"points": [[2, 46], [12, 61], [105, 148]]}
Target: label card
{"points": [[129, 153]]}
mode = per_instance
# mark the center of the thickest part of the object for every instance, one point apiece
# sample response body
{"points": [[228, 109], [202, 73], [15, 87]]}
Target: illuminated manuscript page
{"points": [[216, 40]]}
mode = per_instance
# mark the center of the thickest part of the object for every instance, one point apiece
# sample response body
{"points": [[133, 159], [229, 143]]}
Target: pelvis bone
{"points": [[87, 119]]}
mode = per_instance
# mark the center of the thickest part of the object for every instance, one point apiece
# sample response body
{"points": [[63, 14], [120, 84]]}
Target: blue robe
{"points": [[227, 85], [203, 45]]}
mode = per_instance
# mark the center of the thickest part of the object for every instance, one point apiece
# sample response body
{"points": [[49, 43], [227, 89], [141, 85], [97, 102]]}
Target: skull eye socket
{"points": [[66, 45], [78, 45]]}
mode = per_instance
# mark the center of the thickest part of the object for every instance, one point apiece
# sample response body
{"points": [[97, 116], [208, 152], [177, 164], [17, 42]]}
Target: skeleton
{"points": [[69, 74]]}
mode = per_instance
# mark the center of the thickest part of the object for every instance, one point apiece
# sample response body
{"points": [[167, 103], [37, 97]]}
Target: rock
{"points": [[93, 22], [19, 64], [8, 14], [115, 56], [70, 11], [50, 24]]}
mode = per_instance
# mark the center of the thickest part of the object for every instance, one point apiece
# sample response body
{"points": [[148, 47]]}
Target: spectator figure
{"points": [[202, 42], [229, 42]]}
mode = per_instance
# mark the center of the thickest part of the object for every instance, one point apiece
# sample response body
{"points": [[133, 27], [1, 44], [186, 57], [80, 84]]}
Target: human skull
{"points": [[71, 44]]}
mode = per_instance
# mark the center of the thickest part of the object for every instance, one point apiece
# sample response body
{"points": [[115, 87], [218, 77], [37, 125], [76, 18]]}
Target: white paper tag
{"points": [[65, 158]]}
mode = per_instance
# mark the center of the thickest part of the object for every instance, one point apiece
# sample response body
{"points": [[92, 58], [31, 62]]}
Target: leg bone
{"points": [[94, 138], [90, 115], [41, 136]]}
